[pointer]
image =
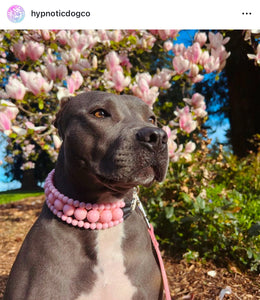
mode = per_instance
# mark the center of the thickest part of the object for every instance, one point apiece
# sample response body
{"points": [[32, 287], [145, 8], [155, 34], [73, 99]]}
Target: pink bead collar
{"points": [[81, 214]]}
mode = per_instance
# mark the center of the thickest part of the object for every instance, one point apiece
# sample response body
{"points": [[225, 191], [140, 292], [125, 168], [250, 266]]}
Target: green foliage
{"points": [[209, 207]]}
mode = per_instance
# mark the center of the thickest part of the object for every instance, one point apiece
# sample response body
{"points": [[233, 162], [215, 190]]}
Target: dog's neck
{"points": [[86, 215]]}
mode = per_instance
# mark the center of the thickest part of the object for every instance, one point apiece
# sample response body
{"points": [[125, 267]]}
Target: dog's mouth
{"points": [[144, 176]]}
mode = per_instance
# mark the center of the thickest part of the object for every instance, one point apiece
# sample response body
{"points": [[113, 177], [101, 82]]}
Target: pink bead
{"points": [[69, 220], [101, 206], [88, 206], [116, 222], [68, 210], [86, 225], [64, 218], [107, 205], [55, 211], [105, 216], [56, 194], [82, 205], [121, 204], [76, 203], [74, 222], [99, 226], [80, 213], [51, 198], [95, 206], [58, 204], [59, 214], [104, 226], [47, 191], [110, 224], [80, 223], [70, 201], [93, 216], [93, 226], [64, 199], [113, 205], [117, 214]]}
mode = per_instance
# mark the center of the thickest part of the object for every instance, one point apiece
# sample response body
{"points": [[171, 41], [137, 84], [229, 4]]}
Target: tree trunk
{"points": [[28, 181], [244, 94]]}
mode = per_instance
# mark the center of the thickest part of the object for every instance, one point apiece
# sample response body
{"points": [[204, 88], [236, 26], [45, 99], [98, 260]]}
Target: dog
{"points": [[111, 144]]}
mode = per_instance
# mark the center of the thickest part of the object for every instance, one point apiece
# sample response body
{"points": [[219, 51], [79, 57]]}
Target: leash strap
{"points": [[164, 275], [156, 247]]}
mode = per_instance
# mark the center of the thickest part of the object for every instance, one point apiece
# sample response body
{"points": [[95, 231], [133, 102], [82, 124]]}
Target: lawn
{"points": [[16, 195]]}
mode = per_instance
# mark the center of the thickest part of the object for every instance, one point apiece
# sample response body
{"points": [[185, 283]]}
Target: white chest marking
{"points": [[112, 283]]}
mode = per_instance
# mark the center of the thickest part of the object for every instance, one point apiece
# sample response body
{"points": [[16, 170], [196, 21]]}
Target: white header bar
{"points": [[132, 14]]}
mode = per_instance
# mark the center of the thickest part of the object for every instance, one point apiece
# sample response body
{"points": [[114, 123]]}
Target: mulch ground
{"points": [[187, 280]]}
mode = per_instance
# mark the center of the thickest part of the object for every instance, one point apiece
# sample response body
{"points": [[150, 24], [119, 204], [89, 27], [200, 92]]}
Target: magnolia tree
{"points": [[40, 67]]}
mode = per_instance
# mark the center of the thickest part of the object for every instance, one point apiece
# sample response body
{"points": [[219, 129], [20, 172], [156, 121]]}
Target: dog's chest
{"points": [[112, 283]]}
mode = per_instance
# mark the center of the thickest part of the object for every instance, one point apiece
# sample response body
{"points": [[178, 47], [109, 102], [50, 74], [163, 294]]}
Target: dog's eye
{"points": [[152, 120], [100, 113]]}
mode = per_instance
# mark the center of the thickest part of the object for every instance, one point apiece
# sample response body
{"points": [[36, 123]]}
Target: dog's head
{"points": [[114, 138]]}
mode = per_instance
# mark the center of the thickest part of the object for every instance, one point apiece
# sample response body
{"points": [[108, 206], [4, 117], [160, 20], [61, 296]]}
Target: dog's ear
{"points": [[57, 122]]}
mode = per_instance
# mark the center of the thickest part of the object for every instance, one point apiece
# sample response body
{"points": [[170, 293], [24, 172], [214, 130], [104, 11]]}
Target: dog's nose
{"points": [[154, 138]]}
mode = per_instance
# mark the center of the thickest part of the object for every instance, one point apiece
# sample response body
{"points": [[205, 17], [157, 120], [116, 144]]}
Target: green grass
{"points": [[16, 195]]}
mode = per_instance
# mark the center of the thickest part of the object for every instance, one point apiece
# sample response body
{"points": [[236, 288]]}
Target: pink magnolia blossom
{"points": [[115, 35], [204, 57], [194, 70], [256, 56], [83, 66], [5, 123], [15, 89], [147, 40], [167, 46], [35, 82], [201, 38], [212, 64], [165, 34], [186, 121], [61, 72], [150, 96], [193, 53], [56, 141], [124, 61], [180, 64], [19, 50], [217, 40], [34, 50], [94, 62], [120, 81], [30, 125], [62, 37], [143, 90], [222, 54], [112, 60], [9, 109], [46, 34], [53, 72], [179, 49], [198, 105], [74, 81], [197, 101], [189, 148], [162, 79]]}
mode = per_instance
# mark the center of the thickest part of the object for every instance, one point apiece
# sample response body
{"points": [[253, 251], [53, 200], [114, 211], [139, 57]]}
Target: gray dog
{"points": [[111, 144]]}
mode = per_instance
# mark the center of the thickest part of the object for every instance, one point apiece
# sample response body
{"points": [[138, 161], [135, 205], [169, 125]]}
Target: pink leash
{"points": [[156, 247], [164, 276]]}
